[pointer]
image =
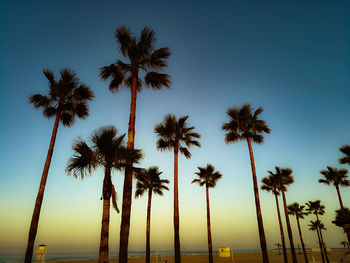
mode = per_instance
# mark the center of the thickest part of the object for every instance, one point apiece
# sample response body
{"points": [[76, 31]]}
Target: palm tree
{"points": [[243, 125], [298, 211], [345, 244], [148, 180], [346, 151], [272, 184], [318, 226], [342, 219], [109, 151], [337, 178], [208, 176], [174, 135], [285, 178], [315, 207], [142, 58], [66, 100]]}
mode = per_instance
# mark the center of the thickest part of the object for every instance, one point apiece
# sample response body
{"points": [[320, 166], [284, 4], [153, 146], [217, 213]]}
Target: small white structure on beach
{"points": [[224, 252], [40, 254]]}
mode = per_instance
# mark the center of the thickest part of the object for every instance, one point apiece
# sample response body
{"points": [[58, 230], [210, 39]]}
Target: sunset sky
{"points": [[292, 58]]}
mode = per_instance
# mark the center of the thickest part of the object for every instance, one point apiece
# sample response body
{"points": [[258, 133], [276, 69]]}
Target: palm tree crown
{"points": [[67, 96], [173, 133], [141, 54], [149, 180], [346, 151], [207, 176], [297, 210], [315, 207], [283, 176], [335, 177], [317, 224], [271, 183], [243, 124]]}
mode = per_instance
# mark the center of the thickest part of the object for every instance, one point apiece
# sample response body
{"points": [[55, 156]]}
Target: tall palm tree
{"points": [[285, 178], [315, 207], [298, 211], [109, 151], [148, 180], [208, 176], [272, 184], [346, 151], [337, 178], [174, 135], [318, 226], [66, 100], [243, 125], [146, 61]]}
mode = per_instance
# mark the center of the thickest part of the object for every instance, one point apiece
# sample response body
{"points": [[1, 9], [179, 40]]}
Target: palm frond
{"points": [[157, 80], [115, 199]]}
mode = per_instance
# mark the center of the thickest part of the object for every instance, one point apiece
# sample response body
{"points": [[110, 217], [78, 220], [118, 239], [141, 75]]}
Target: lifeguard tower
{"points": [[40, 253], [224, 252]]}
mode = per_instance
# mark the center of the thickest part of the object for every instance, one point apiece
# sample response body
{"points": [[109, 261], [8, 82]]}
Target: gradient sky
{"points": [[291, 57]]}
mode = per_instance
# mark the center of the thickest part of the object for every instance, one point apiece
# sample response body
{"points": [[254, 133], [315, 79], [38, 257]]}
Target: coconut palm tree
{"points": [[243, 125], [143, 60], [285, 178], [315, 207], [108, 151], [148, 180], [271, 184], [337, 178], [346, 151], [208, 176], [298, 211], [66, 100], [318, 226], [174, 135]]}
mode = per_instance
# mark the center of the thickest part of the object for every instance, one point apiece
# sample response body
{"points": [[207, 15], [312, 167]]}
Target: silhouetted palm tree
{"points": [[346, 151], [315, 207], [318, 226], [144, 59], [67, 99], [285, 178], [208, 176], [345, 244], [174, 135], [298, 211], [244, 125], [272, 184], [337, 178], [148, 180], [109, 151], [342, 218]]}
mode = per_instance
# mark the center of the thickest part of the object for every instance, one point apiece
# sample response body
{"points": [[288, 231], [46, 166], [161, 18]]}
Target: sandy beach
{"points": [[334, 256]]}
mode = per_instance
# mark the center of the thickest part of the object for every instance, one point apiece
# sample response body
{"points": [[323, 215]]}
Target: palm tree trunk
{"points": [[322, 242], [289, 229], [339, 197], [39, 198], [342, 208], [148, 228], [285, 257], [319, 242], [176, 207], [301, 240], [257, 205], [210, 244], [106, 192], [127, 188]]}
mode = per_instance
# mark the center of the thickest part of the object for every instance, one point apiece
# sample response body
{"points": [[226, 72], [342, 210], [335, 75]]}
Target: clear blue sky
{"points": [[291, 57]]}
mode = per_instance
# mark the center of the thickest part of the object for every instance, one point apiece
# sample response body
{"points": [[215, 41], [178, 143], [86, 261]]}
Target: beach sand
{"points": [[334, 256]]}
